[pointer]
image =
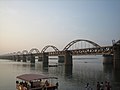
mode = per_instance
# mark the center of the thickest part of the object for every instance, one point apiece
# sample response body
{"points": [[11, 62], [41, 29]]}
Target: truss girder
{"points": [[79, 40], [93, 51], [87, 51]]}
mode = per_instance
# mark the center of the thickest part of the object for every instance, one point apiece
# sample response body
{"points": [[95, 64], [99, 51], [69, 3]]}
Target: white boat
{"points": [[36, 82]]}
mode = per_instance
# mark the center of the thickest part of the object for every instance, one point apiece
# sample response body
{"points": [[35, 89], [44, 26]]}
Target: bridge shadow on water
{"points": [[68, 71], [112, 75]]}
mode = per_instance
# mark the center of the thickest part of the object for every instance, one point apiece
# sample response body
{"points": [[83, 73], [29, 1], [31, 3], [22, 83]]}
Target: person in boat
{"points": [[17, 85], [25, 86], [88, 87], [21, 86], [40, 82], [101, 86], [98, 86], [46, 83], [107, 86], [57, 85], [31, 83]]}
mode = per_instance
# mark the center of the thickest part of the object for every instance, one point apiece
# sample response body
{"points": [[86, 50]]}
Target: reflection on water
{"points": [[32, 66], [116, 80], [112, 75], [68, 70], [116, 75], [70, 77]]}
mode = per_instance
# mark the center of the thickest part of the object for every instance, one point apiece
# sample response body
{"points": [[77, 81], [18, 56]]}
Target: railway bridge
{"points": [[111, 53]]}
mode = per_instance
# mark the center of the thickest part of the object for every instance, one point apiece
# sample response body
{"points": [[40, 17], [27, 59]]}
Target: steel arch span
{"points": [[18, 53], [24, 52], [14, 53], [46, 47], [79, 40], [34, 49]]}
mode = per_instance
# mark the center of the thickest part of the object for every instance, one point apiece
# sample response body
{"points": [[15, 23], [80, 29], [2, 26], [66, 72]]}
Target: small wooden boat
{"points": [[36, 82]]}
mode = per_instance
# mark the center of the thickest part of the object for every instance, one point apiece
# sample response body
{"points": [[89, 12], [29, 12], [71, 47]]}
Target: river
{"points": [[84, 70]]}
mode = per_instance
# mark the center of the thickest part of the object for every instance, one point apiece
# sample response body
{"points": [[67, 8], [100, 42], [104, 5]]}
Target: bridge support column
{"points": [[68, 58], [24, 58], [45, 59], [14, 58], [18, 58], [39, 58], [116, 52], [60, 59], [108, 59], [28, 57], [32, 58], [10, 57]]}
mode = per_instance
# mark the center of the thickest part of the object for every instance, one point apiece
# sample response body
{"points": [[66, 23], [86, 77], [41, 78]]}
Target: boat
{"points": [[36, 82]]}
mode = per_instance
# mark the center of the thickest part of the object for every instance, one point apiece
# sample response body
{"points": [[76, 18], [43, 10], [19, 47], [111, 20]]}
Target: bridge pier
{"points": [[18, 58], [39, 58], [14, 58], [24, 58], [32, 58], [10, 58], [108, 59], [60, 59], [116, 52], [45, 59], [68, 58], [28, 57]]}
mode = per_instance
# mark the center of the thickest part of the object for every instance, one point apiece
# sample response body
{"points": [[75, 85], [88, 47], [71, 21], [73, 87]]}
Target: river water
{"points": [[84, 70]]}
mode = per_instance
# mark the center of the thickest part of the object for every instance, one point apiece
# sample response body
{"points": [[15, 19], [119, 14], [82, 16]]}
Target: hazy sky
{"points": [[25, 24]]}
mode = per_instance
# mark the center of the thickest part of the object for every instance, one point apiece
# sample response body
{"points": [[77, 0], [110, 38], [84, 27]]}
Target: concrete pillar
{"points": [[116, 53], [108, 59], [24, 58], [32, 58], [14, 58], [60, 59], [10, 57], [68, 58], [28, 58], [45, 59], [39, 58], [18, 58]]}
